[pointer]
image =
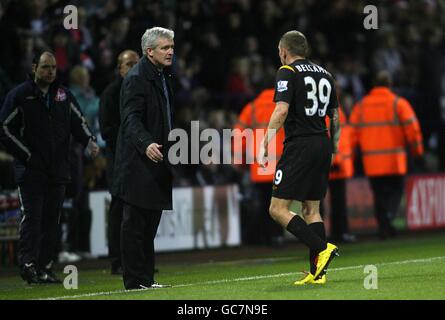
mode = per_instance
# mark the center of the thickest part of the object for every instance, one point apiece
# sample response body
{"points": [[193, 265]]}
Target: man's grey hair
{"points": [[151, 36]]}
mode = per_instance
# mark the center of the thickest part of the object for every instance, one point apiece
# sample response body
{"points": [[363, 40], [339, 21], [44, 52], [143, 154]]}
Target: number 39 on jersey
{"points": [[317, 94]]}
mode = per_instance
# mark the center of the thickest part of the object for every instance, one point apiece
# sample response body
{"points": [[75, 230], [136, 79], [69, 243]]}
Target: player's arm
{"points": [[335, 128], [276, 121]]}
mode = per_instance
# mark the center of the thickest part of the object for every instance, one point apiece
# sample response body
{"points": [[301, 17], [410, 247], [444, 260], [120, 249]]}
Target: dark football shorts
{"points": [[303, 170]]}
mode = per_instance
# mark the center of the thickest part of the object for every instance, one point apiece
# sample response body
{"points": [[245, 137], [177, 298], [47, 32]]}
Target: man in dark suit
{"points": [[143, 178], [109, 121]]}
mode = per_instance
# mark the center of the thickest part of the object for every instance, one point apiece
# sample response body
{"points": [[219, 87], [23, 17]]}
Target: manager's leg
{"points": [[153, 219], [133, 250], [115, 222]]}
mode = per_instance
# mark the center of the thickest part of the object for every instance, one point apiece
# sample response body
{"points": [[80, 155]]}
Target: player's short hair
{"points": [[295, 42], [151, 36]]}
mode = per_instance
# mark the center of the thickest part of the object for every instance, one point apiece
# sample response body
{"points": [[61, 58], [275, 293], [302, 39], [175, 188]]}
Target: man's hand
{"points": [[153, 153], [262, 157], [93, 148]]}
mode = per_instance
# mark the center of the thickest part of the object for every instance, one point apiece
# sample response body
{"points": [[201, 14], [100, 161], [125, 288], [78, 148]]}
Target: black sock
{"points": [[298, 227], [318, 228]]}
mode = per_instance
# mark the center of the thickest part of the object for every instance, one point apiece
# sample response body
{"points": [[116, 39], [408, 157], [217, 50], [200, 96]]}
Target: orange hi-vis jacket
{"points": [[342, 166], [384, 124], [255, 116]]}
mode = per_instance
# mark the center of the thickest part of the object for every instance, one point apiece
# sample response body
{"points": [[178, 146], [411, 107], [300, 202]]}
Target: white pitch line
{"points": [[278, 275]]}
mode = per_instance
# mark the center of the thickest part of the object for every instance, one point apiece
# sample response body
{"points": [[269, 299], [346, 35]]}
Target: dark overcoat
{"points": [[137, 180]]}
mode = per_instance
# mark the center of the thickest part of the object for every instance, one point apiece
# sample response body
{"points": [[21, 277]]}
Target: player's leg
{"points": [[279, 211], [311, 214]]}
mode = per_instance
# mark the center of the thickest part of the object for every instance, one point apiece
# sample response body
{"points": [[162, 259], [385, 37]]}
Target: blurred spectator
{"points": [[109, 120], [66, 52], [238, 83], [388, 57], [86, 96]]}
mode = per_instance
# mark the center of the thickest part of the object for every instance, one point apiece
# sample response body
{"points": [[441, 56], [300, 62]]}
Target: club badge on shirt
{"points": [[282, 86], [61, 95]]}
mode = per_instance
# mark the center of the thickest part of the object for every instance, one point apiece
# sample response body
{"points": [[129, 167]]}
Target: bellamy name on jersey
{"points": [[310, 92]]}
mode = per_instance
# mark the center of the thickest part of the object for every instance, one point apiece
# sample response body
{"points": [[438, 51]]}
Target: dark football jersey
{"points": [[310, 92]]}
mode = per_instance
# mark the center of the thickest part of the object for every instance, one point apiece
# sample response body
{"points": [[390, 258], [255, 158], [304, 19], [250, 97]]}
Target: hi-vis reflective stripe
{"points": [[287, 67], [345, 156], [383, 151], [409, 121], [364, 124], [82, 119], [11, 136], [374, 124], [22, 208]]}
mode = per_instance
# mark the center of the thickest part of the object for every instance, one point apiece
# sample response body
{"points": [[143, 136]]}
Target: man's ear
{"points": [[150, 52], [284, 53], [34, 67]]}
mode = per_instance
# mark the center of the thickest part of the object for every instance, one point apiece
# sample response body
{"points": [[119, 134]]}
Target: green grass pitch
{"points": [[411, 267]]}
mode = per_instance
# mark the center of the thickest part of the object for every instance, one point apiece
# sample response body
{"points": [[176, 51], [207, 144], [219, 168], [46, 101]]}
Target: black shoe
{"points": [[156, 285], [47, 276], [29, 274]]}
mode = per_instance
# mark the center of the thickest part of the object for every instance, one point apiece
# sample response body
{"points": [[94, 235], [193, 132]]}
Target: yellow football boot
{"points": [[324, 258], [309, 279], [306, 280], [320, 280]]}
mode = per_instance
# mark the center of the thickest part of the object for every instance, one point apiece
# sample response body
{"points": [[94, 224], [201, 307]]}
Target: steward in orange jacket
{"points": [[342, 168], [384, 124], [256, 115]]}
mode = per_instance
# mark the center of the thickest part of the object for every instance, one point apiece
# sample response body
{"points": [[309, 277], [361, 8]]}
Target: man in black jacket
{"points": [[37, 120], [109, 121], [143, 178]]}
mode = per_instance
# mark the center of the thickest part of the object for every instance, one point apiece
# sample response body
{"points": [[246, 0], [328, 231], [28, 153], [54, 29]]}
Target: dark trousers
{"points": [[388, 191], [114, 231], [39, 229], [339, 219], [138, 231]]}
